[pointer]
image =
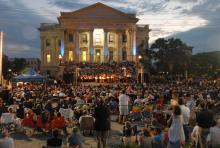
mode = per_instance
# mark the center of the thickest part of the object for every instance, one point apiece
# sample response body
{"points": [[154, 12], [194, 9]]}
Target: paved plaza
{"points": [[39, 140]]}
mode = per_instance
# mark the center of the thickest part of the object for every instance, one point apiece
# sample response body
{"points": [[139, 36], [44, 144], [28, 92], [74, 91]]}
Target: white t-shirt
{"points": [[185, 113], [123, 99]]}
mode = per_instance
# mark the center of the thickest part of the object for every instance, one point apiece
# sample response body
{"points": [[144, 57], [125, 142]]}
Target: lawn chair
{"points": [[87, 123]]}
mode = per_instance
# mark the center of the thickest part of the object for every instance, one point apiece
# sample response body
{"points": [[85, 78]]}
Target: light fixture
{"points": [[139, 57], [98, 54], [60, 56]]}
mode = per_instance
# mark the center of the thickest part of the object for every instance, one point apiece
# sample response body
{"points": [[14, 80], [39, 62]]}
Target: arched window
{"points": [[47, 42]]}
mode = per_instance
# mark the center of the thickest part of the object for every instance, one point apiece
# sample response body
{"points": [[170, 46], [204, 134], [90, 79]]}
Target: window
{"points": [[70, 38], [124, 55], [111, 38], [47, 42], [48, 58], [70, 55], [84, 38], [59, 43], [84, 56], [124, 38], [98, 38], [110, 55]]}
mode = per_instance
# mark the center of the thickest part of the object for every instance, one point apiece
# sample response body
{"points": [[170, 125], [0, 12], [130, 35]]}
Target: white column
{"points": [[105, 46], [119, 46], [134, 49], [55, 56], [77, 51], [91, 48]]}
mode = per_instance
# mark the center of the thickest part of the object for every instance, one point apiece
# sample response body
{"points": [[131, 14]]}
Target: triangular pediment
{"points": [[98, 11]]}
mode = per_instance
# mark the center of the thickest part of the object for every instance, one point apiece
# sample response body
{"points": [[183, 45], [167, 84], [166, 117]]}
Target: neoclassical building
{"points": [[94, 34]]}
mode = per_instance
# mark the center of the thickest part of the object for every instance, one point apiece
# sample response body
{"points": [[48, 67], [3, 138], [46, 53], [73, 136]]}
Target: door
{"points": [[98, 55]]}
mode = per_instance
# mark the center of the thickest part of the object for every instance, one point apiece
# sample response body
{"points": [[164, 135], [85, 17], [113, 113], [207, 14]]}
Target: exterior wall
{"points": [[33, 63], [86, 22], [51, 33], [142, 35]]}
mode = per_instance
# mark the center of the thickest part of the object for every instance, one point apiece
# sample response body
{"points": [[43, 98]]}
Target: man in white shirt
{"points": [[123, 106], [185, 111]]}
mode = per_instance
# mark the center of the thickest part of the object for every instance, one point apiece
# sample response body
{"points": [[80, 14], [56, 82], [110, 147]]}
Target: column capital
{"points": [[131, 30]]}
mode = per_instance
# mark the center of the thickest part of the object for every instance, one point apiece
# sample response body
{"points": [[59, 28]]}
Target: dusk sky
{"points": [[196, 22]]}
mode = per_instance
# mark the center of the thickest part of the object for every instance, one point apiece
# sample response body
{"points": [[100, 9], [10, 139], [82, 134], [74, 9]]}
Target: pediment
{"points": [[98, 11]]}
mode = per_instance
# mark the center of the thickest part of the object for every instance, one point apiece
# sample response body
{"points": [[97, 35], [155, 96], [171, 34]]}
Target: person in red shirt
{"points": [[29, 120], [43, 121], [58, 122]]}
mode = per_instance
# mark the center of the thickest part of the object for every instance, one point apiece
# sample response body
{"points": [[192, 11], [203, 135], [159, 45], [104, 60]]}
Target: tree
{"points": [[171, 55], [205, 64], [18, 65], [146, 55]]}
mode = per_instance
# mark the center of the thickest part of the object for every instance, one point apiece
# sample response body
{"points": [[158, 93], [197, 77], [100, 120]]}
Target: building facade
{"points": [[33, 63], [94, 34]]}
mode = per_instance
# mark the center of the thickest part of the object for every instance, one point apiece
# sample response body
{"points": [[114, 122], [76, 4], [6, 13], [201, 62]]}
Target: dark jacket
{"points": [[54, 142], [102, 118], [205, 118]]}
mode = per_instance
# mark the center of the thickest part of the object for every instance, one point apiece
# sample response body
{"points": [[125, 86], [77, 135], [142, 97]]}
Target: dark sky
{"points": [[196, 22]]}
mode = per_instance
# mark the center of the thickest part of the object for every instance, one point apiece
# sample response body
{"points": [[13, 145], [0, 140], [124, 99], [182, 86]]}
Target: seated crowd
{"points": [[158, 115]]}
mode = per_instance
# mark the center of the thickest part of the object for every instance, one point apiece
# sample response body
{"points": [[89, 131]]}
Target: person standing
{"points": [[176, 132], [123, 106], [185, 111], [102, 123], [205, 120], [214, 135], [6, 141]]}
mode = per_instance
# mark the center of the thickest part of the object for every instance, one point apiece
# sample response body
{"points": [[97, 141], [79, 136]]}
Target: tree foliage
{"points": [[16, 66], [171, 55], [205, 64]]}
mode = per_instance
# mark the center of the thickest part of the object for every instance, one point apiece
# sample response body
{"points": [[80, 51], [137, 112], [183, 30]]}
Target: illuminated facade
{"points": [[95, 34]]}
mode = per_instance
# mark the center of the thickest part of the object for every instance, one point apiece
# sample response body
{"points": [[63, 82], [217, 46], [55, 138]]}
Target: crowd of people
{"points": [[104, 72], [172, 115]]}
